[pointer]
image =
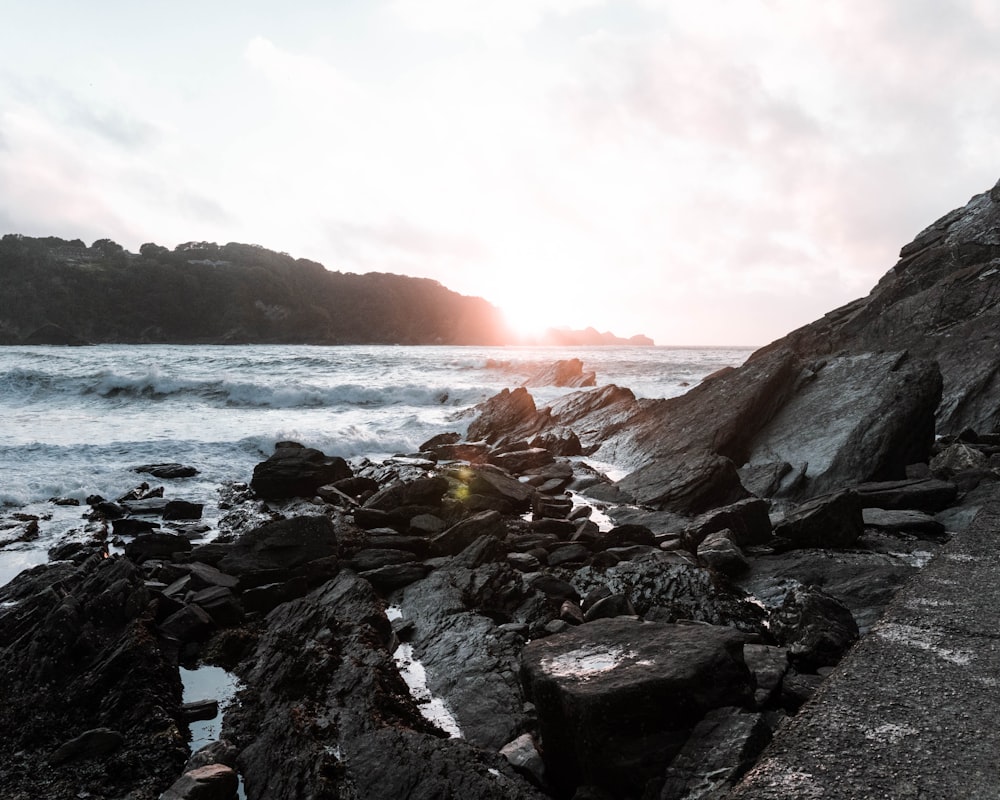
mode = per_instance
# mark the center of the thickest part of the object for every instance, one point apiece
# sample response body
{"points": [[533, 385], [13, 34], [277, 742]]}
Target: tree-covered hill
{"points": [[202, 292]]}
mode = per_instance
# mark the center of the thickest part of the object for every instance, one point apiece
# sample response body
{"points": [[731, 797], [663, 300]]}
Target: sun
{"points": [[525, 320]]}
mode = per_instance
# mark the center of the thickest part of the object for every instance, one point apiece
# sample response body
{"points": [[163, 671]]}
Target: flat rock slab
{"points": [[914, 522], [909, 713], [616, 698]]}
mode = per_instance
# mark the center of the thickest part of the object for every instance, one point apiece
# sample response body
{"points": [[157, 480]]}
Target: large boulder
{"points": [[507, 416], [296, 471], [687, 483], [617, 698], [830, 521], [565, 372]]}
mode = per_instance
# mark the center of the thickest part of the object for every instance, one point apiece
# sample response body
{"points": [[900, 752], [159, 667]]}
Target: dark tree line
{"points": [[202, 292]]}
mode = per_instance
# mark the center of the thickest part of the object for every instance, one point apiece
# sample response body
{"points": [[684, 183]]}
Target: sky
{"points": [[716, 172]]}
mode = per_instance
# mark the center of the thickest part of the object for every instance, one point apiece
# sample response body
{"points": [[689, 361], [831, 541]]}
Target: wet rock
{"points": [[202, 576], [768, 665], [507, 416], [94, 743], [720, 552], [296, 471], [129, 526], [374, 558], [816, 628], [764, 480], [686, 483], [494, 482], [559, 441], [523, 755], [830, 521], [182, 509], [572, 613], [956, 459], [617, 698], [568, 554], [565, 372], [426, 491], [220, 604], [211, 782], [460, 535], [622, 535], [520, 461], [721, 749], [614, 605], [199, 710], [168, 471], [915, 523], [284, 544], [325, 712], [146, 506], [748, 521], [928, 494], [395, 576], [156, 545], [189, 624]]}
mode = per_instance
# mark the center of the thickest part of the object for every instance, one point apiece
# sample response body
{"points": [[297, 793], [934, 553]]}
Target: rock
{"points": [[614, 605], [129, 526], [617, 698], [155, 545], [748, 520], [146, 506], [764, 480], [957, 458], [915, 523], [182, 509], [395, 576], [722, 748], [169, 471], [507, 416], [199, 710], [927, 494], [334, 718], [190, 624], [686, 483], [202, 576], [220, 604], [768, 665], [283, 544], [830, 521], [211, 782], [797, 688], [296, 471], [426, 491], [427, 525], [373, 558], [559, 441], [720, 552], [523, 755], [566, 372], [628, 533], [568, 554], [518, 462], [854, 418], [94, 743], [523, 562], [494, 482], [460, 535], [52, 334], [816, 628]]}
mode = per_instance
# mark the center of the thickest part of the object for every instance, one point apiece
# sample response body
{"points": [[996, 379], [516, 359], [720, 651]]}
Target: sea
{"points": [[75, 422]]}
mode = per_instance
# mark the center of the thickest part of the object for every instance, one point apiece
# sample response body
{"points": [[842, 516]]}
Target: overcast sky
{"points": [[710, 172]]}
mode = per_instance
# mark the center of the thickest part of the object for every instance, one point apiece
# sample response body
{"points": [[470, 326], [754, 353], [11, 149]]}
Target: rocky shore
{"points": [[492, 616]]}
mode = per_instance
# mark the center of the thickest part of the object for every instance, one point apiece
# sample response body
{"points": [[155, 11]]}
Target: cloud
{"points": [[490, 21], [366, 246]]}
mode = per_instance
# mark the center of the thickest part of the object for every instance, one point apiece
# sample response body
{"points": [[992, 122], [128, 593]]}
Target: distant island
{"points": [[59, 291], [589, 337]]}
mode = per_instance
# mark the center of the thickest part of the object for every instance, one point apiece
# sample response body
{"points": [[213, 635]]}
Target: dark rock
{"points": [[722, 748], [283, 544], [816, 628], [420, 492], [373, 558], [355, 486], [629, 533], [296, 471], [182, 509], [768, 665], [523, 755], [554, 588], [371, 518], [565, 372], [956, 459], [523, 562], [915, 523], [559, 441], [558, 527], [923, 495], [520, 461], [720, 551], [199, 710], [748, 521], [797, 688], [506, 416], [440, 439], [167, 471], [146, 506], [266, 597], [129, 526], [220, 604], [764, 480], [426, 525], [155, 545], [190, 624], [494, 482], [568, 554], [617, 698], [614, 605], [572, 613], [395, 576], [687, 483], [94, 743], [831, 521], [462, 534], [201, 576], [211, 782]]}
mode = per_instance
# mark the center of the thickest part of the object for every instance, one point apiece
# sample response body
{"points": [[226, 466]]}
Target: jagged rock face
{"points": [[940, 301]]}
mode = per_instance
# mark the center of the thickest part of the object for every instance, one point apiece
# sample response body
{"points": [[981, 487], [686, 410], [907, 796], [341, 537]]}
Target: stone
{"points": [[565, 372], [768, 665], [617, 698], [686, 483], [507, 416], [460, 535], [283, 544], [211, 782], [220, 604], [94, 743], [130, 526], [373, 558], [426, 491], [523, 755], [568, 554], [614, 605], [928, 494], [390, 577], [520, 461], [296, 471], [190, 624], [747, 520], [494, 482], [957, 458], [182, 509], [199, 710], [629, 533], [816, 628], [572, 613], [720, 552], [829, 521], [156, 545], [559, 441], [915, 523], [721, 749], [168, 471], [764, 480]]}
